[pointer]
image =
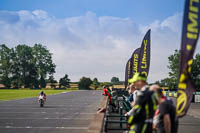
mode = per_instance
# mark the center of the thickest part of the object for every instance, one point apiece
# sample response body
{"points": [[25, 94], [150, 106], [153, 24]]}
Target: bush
{"points": [[84, 83]]}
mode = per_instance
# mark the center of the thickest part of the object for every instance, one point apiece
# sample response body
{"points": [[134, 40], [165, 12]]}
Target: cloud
{"points": [[89, 45]]}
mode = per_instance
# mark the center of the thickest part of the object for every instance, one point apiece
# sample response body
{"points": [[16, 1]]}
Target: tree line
{"points": [[32, 67], [25, 66], [172, 80], [87, 83]]}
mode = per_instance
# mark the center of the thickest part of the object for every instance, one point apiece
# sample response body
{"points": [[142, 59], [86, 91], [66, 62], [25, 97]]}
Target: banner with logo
{"points": [[144, 57], [132, 66], [135, 61], [127, 72], [190, 34]]}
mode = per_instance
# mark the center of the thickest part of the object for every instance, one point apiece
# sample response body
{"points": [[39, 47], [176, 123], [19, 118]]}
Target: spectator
{"points": [[167, 115], [131, 91], [144, 108], [107, 92]]}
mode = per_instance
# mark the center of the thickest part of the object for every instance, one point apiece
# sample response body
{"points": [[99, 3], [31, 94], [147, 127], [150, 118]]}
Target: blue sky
{"points": [[94, 38], [141, 11]]}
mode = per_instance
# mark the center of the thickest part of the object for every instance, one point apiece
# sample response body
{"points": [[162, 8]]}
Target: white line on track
{"points": [[45, 118], [34, 97], [47, 105], [29, 127], [49, 108], [45, 113]]}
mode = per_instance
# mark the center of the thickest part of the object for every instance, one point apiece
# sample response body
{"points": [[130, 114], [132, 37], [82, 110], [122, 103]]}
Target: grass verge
{"points": [[10, 94]]}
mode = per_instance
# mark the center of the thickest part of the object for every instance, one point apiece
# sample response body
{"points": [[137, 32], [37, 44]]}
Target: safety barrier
{"points": [[170, 93], [196, 95], [114, 119], [114, 116]]}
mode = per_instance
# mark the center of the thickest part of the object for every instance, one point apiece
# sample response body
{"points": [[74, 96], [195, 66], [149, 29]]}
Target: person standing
{"points": [[133, 97], [131, 91], [145, 105], [107, 92], [167, 122]]}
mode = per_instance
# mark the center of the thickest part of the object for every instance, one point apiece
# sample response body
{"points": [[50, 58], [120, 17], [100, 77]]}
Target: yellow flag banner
{"points": [[127, 72], [144, 56], [132, 66], [190, 34], [135, 61]]}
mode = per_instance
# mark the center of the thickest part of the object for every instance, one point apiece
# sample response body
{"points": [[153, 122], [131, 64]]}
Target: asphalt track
{"points": [[63, 113], [191, 122]]}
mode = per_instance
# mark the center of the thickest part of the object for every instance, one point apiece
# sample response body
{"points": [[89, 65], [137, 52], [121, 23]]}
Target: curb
{"points": [[96, 125]]}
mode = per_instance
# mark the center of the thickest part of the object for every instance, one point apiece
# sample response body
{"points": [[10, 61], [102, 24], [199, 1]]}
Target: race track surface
{"points": [[63, 113]]}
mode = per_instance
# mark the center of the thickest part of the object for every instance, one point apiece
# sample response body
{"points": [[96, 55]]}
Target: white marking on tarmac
{"points": [[33, 97], [45, 113], [45, 118], [50, 104], [71, 108], [46, 107], [67, 128]]}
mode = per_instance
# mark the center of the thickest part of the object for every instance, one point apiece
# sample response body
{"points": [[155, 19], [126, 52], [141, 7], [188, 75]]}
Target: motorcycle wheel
{"points": [[41, 104]]}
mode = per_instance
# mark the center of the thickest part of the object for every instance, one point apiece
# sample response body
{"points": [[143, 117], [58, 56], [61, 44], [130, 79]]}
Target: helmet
{"points": [[41, 92], [136, 77]]}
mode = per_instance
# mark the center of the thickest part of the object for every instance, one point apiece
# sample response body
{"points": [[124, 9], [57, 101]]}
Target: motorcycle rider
{"points": [[42, 94], [144, 108]]}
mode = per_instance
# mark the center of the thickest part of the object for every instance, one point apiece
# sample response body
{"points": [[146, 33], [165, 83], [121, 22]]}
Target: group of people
{"points": [[151, 112]]}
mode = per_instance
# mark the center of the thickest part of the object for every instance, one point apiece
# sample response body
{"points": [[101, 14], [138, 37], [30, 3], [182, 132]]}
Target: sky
{"points": [[94, 38]]}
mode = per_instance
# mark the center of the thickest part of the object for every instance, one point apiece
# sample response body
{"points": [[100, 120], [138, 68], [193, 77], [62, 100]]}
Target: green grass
{"points": [[10, 94]]}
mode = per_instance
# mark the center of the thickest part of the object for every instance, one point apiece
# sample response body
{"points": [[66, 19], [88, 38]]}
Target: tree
{"points": [[174, 61], [195, 72], [43, 62], [16, 70], [115, 80], [25, 66], [65, 81], [52, 81], [95, 83], [169, 82], [84, 83], [5, 65], [106, 84]]}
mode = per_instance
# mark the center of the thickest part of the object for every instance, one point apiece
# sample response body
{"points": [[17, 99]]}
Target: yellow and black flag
{"points": [[135, 61], [127, 72], [190, 34], [144, 57], [132, 66]]}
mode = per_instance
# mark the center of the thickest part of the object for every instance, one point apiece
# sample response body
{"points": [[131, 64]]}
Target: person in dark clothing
{"points": [[144, 108], [131, 91], [167, 115]]}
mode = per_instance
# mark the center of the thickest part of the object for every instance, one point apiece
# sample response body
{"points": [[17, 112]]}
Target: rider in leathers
{"points": [[144, 108]]}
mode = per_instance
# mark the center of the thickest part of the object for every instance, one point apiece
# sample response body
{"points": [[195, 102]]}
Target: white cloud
{"points": [[89, 45]]}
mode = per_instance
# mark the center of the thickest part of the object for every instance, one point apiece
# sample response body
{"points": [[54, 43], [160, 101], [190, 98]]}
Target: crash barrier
{"points": [[97, 123], [114, 116], [196, 97], [170, 93], [116, 121]]}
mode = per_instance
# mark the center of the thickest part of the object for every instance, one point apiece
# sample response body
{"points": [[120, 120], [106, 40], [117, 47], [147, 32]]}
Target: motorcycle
{"points": [[41, 101]]}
